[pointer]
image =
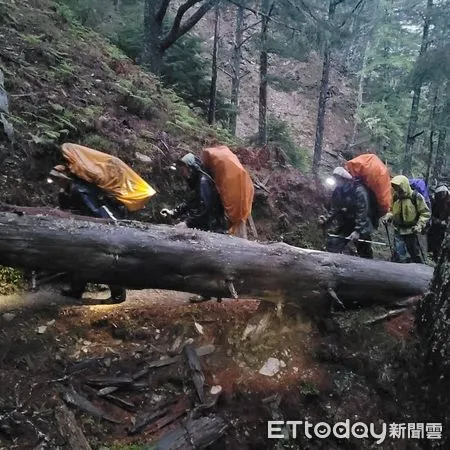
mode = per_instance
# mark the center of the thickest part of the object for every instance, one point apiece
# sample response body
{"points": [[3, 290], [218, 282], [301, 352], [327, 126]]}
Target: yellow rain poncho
{"points": [[108, 173], [410, 210]]}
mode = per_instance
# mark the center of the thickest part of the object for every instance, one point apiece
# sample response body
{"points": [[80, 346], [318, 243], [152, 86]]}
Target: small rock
{"points": [[282, 363], [42, 329], [295, 369], [198, 327], [157, 398], [216, 390], [143, 158], [271, 367], [52, 322], [9, 316]]}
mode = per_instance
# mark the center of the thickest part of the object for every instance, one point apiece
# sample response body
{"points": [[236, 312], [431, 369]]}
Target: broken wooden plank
{"points": [[201, 351], [174, 412], [74, 398], [121, 403], [195, 370], [199, 434], [146, 418], [110, 381], [69, 429]]}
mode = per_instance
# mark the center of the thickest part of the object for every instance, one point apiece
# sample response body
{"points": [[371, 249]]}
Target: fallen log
{"points": [[140, 256]]}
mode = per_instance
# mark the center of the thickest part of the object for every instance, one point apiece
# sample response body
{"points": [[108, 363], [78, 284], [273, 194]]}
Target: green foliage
{"points": [[308, 388], [185, 69], [11, 280], [279, 133]]}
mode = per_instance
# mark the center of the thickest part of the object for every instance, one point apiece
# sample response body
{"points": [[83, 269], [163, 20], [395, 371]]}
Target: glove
{"points": [[354, 236], [386, 218], [417, 229], [167, 212], [322, 220], [181, 225]]}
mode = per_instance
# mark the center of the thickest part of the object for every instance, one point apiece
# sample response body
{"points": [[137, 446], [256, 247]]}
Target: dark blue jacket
{"points": [[350, 208], [204, 209], [87, 199]]}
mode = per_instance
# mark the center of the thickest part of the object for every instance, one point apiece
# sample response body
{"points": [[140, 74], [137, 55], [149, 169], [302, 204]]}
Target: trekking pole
{"points": [[359, 240], [421, 251], [389, 240]]}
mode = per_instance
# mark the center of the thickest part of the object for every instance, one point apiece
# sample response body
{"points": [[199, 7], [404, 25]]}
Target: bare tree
{"points": [[157, 40]]}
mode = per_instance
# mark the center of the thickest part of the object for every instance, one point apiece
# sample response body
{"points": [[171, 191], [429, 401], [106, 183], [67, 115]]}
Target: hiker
{"points": [[440, 212], [204, 209], [85, 199], [409, 216], [350, 209]]}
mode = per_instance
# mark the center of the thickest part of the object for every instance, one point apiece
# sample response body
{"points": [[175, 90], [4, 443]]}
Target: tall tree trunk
{"points": [[433, 324], [432, 132], [153, 31], [359, 98], [320, 124], [213, 90], [263, 63], [410, 135], [440, 154], [236, 68]]}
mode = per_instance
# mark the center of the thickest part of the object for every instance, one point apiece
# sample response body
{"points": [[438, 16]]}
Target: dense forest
{"points": [[395, 53]]}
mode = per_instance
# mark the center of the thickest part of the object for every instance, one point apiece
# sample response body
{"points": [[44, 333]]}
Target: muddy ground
{"points": [[341, 370]]}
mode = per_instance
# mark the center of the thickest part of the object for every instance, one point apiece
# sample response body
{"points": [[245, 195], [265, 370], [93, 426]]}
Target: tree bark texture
{"points": [[320, 124], [432, 133], [263, 63], [213, 90], [139, 256], [236, 68], [433, 324], [156, 40]]}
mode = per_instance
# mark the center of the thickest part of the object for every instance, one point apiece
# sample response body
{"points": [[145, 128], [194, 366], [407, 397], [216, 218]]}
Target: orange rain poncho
{"points": [[108, 173], [233, 183]]}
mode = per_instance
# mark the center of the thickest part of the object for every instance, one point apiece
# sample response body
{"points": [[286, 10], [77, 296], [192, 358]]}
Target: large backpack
{"points": [[232, 181], [374, 175], [419, 186]]}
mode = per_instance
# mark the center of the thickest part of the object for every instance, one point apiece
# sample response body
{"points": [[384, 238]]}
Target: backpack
{"points": [[374, 175], [108, 173], [419, 185], [232, 181]]}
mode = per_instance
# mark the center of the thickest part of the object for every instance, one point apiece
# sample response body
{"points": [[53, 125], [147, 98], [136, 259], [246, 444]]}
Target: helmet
{"points": [[191, 161]]}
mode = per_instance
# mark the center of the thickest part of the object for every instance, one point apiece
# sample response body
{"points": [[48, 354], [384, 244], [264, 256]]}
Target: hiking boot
{"points": [[198, 299], [72, 294], [117, 299]]}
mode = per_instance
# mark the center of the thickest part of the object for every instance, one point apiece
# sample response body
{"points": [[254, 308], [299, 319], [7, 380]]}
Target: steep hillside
{"points": [[67, 84], [293, 90]]}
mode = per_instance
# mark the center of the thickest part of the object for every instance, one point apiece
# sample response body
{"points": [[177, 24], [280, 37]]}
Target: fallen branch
{"points": [[69, 429], [388, 315]]}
